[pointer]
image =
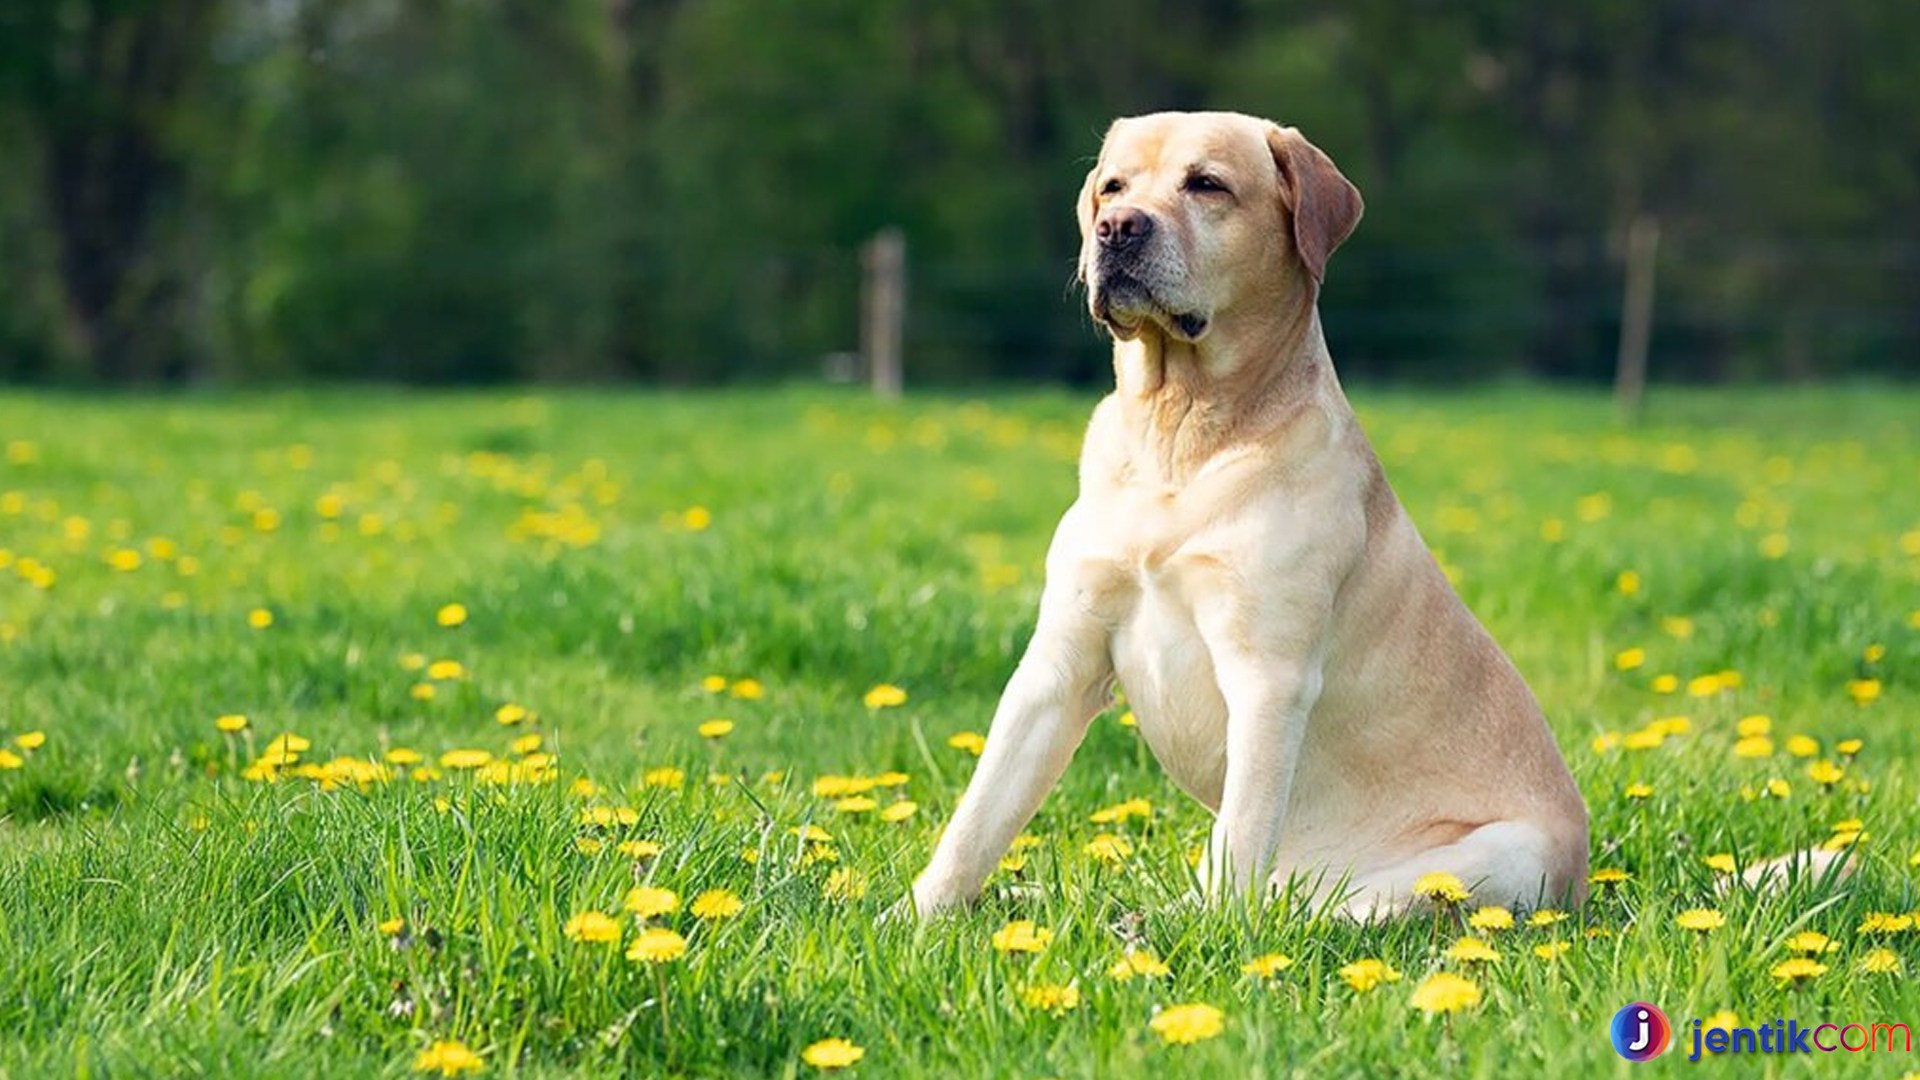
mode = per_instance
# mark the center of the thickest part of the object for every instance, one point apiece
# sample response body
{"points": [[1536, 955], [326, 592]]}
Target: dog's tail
{"points": [[1818, 865]]}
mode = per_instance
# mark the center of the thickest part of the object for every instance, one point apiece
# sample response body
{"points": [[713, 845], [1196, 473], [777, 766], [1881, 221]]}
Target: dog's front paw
{"points": [[929, 900]]}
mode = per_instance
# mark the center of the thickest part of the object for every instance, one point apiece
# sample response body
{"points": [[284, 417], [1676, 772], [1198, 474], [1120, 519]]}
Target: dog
{"points": [[1236, 559]]}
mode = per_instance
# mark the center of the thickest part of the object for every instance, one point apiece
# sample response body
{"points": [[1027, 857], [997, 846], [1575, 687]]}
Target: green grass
{"points": [[161, 915]]}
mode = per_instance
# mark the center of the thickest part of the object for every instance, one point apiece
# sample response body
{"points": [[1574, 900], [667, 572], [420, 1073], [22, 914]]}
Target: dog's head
{"points": [[1187, 215]]}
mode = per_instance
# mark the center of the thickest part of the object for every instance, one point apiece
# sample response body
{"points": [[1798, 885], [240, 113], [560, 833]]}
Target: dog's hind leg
{"points": [[1510, 863]]}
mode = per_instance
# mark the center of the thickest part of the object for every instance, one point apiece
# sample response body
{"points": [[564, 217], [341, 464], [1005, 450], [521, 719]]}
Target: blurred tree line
{"points": [[675, 189]]}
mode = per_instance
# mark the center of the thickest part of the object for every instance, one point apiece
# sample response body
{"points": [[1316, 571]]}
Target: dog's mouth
{"points": [[1124, 305]]}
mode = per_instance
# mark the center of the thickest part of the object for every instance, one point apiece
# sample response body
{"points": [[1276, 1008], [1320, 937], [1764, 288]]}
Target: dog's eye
{"points": [[1113, 187], [1201, 183]]}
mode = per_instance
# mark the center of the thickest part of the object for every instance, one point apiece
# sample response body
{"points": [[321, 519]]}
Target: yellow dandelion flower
{"points": [[1552, 950], [716, 729], [845, 885], [747, 689], [656, 945], [1546, 917], [1798, 970], [884, 696], [1802, 746], [1724, 1020], [1627, 583], [465, 759], [1021, 936], [231, 723], [1825, 773], [1365, 975], [1183, 1025], [1138, 964], [448, 1058], [1629, 659], [1720, 863], [1268, 966], [452, 615], [1886, 922], [856, 804], [1491, 918], [651, 901], [1441, 888], [832, 1054], [664, 777], [260, 618], [715, 684], [1811, 942], [1700, 920], [1753, 746], [1108, 848], [1848, 747], [1472, 950], [593, 928], [1757, 724], [1704, 686], [392, 927], [1863, 691], [446, 670], [1444, 992], [509, 714], [1841, 841], [1880, 962], [900, 811], [1122, 812], [716, 904], [971, 741], [1671, 725], [638, 849], [1664, 684], [1645, 739], [1051, 998], [287, 747], [1609, 876], [1638, 791]]}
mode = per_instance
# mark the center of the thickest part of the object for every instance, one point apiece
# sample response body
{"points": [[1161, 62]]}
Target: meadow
{"points": [[374, 733]]}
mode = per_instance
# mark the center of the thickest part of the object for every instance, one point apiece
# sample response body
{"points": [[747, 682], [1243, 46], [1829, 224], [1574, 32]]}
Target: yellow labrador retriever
{"points": [[1297, 661]]}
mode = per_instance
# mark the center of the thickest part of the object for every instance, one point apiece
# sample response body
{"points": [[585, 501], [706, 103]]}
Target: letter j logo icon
{"points": [[1640, 1032]]}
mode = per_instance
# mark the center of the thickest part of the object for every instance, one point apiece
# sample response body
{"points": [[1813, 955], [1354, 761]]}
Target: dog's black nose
{"points": [[1123, 228]]}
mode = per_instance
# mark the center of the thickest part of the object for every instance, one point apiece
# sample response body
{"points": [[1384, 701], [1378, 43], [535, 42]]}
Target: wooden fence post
{"points": [[883, 310], [1636, 316]]}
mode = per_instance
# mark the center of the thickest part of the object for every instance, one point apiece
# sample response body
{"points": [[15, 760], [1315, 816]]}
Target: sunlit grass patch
{"points": [[357, 734]]}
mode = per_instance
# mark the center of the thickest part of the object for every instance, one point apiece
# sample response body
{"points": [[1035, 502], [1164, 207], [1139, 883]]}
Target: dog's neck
{"points": [[1182, 403]]}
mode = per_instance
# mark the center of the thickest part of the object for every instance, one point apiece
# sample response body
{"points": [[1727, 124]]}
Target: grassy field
{"points": [[471, 647]]}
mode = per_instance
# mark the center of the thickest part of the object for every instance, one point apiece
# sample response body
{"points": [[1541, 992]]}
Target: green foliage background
{"points": [[483, 190]]}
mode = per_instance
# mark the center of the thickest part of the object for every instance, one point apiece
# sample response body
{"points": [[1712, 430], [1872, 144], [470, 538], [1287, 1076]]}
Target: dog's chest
{"points": [[1143, 582]]}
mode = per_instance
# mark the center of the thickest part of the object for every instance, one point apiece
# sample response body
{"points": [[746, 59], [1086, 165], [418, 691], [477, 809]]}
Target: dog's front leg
{"points": [[1060, 685], [1268, 667], [1054, 694]]}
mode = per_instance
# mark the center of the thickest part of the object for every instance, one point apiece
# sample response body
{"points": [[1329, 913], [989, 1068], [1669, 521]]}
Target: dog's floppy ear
{"points": [[1324, 205], [1084, 210]]}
